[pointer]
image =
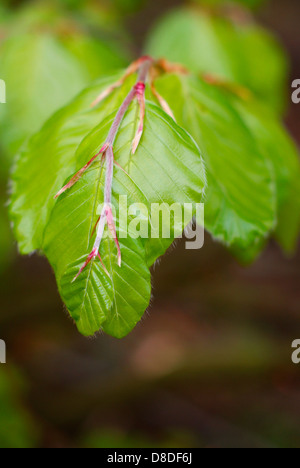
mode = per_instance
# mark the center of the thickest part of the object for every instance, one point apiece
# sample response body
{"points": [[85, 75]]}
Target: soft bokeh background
{"points": [[208, 366]]}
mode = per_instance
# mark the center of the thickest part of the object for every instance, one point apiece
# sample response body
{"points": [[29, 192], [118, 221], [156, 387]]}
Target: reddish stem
{"points": [[106, 216], [109, 175], [144, 70], [119, 117]]}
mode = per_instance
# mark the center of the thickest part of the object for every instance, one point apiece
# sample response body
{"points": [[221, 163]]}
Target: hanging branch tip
{"points": [[148, 69]]}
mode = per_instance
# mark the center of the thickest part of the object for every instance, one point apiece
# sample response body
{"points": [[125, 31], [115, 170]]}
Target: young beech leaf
{"points": [[240, 52], [47, 159], [166, 167], [240, 205], [137, 151], [278, 147], [47, 58], [114, 300]]}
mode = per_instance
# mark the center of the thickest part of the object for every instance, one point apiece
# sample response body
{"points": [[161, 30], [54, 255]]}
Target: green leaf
{"points": [[278, 147], [167, 168], [48, 159], [243, 53], [166, 171], [45, 61], [115, 303], [240, 205]]}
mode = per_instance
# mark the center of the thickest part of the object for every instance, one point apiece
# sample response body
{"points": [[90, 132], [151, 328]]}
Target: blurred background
{"points": [[210, 363]]}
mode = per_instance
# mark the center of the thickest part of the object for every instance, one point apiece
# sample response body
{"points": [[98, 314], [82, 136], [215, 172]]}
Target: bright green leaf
{"points": [[45, 60], [240, 204], [279, 148], [48, 159], [115, 303], [242, 53], [167, 168]]}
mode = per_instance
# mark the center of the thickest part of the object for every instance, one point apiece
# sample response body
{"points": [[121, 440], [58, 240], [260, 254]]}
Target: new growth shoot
{"points": [[148, 70]]}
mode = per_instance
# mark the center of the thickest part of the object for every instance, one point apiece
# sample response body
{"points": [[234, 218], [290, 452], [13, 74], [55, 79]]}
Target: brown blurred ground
{"points": [[210, 363]]}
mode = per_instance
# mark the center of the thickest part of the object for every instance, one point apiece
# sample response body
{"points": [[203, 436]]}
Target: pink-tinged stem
{"points": [[130, 70], [100, 230], [92, 255], [112, 227], [95, 227], [163, 103], [119, 117], [144, 69], [107, 204], [106, 93], [169, 67], [109, 175], [77, 176], [109, 141], [103, 266], [107, 216], [136, 91], [120, 167], [140, 94], [144, 65]]}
